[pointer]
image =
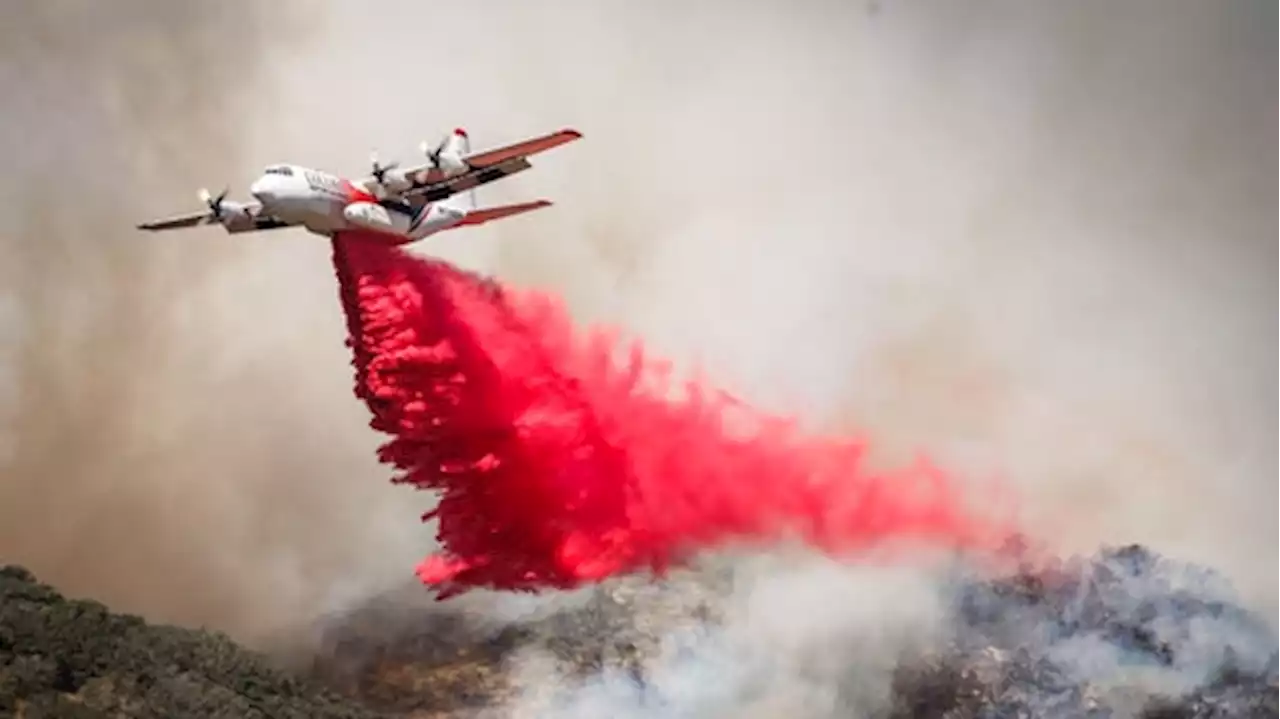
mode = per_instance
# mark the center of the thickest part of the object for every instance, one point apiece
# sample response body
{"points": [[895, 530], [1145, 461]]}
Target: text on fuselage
{"points": [[324, 182]]}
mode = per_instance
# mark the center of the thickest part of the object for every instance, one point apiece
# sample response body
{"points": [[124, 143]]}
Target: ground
{"points": [[1009, 654]]}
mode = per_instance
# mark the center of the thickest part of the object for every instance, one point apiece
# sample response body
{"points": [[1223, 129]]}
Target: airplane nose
{"points": [[261, 191]]}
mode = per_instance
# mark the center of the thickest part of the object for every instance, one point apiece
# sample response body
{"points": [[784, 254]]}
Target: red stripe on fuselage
{"points": [[356, 193]]}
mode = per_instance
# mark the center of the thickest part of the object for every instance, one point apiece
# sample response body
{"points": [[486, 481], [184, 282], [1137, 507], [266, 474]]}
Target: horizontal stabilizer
{"points": [[488, 214]]}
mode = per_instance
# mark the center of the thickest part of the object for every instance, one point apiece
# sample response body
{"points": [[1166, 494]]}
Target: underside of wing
{"points": [[468, 180], [234, 217], [521, 149]]}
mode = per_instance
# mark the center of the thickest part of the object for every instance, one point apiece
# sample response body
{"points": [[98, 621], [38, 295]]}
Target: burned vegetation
{"points": [[1125, 633]]}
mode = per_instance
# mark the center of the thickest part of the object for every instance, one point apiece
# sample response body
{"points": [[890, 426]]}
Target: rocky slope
{"points": [[1122, 634]]}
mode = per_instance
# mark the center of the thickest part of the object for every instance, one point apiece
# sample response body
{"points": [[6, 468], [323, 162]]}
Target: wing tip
{"points": [[571, 133]]}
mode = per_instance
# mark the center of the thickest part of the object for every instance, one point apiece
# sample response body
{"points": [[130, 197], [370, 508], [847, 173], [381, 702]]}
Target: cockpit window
{"points": [[280, 170]]}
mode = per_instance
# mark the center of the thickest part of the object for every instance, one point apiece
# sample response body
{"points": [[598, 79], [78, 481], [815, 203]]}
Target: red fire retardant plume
{"points": [[560, 460]]}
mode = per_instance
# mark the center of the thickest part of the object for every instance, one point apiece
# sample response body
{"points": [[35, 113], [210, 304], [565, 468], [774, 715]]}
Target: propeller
{"points": [[214, 203], [380, 171], [434, 154]]}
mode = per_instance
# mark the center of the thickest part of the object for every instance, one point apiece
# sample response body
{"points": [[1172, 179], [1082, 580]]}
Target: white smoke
{"points": [[808, 637]]}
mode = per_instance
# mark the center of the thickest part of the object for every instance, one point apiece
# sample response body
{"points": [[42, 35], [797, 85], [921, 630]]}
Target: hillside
{"points": [[75, 659], [1015, 649]]}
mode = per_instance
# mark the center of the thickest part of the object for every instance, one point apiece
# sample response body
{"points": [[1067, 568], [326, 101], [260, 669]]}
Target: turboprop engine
{"points": [[229, 213], [446, 159], [447, 155], [388, 179]]}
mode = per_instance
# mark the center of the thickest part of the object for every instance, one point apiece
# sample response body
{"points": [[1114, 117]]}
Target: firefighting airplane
{"points": [[402, 205]]}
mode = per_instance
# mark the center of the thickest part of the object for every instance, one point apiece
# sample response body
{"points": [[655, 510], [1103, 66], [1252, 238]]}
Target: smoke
{"points": [[153, 456], [1035, 239], [793, 635]]}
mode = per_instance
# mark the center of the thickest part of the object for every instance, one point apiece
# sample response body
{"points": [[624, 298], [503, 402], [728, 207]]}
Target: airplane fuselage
{"points": [[325, 204]]}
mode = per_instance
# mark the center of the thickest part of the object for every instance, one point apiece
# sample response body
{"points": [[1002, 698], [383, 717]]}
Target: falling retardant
{"points": [[560, 459]]}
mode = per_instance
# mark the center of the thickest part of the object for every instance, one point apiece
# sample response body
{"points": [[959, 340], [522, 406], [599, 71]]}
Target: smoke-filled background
{"points": [[155, 454], [1036, 240]]}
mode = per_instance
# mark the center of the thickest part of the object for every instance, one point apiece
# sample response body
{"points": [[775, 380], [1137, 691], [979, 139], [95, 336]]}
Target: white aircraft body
{"points": [[404, 205]]}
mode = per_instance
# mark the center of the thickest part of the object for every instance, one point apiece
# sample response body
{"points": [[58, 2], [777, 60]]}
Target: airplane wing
{"points": [[526, 148], [470, 180], [243, 218], [173, 223], [482, 167], [412, 201]]}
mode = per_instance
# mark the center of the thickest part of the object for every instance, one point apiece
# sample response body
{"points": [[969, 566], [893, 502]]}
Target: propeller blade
{"points": [[434, 154], [214, 203], [379, 170]]}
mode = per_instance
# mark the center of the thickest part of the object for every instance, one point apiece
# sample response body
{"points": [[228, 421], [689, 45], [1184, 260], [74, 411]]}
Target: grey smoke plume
{"points": [[1124, 633], [160, 403]]}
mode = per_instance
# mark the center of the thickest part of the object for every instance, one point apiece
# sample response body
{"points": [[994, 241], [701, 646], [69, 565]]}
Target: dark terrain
{"points": [[1015, 651], [75, 659]]}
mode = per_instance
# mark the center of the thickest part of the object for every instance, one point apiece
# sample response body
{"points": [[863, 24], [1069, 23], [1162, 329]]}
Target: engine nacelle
{"points": [[235, 217], [395, 181], [452, 149], [451, 162]]}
